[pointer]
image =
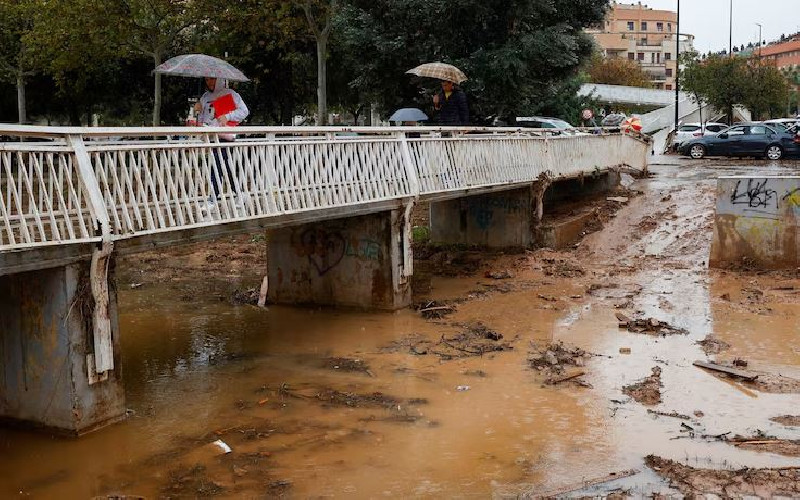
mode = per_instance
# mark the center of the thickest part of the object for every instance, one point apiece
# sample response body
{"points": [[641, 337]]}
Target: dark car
{"points": [[754, 139]]}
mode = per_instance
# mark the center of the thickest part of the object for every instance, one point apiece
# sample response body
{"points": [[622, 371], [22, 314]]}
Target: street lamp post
{"points": [[730, 32], [677, 64], [759, 42]]}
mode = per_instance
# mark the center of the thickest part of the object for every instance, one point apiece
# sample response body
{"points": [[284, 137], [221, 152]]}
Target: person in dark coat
{"points": [[451, 105]]}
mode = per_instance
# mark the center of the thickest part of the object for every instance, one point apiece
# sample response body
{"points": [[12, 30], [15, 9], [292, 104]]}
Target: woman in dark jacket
{"points": [[451, 105]]}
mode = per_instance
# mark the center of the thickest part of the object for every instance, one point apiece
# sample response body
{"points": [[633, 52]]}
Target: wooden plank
{"points": [[742, 374]]}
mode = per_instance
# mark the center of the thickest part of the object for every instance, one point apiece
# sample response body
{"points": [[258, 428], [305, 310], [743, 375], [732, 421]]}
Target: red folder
{"points": [[223, 105]]}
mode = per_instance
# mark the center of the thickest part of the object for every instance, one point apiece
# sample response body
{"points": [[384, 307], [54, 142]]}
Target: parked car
{"points": [[559, 125], [613, 120], [747, 139], [689, 131], [788, 124]]}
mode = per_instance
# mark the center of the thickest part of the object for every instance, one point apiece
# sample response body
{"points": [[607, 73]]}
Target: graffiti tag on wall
{"points": [[768, 197], [326, 249], [482, 209]]}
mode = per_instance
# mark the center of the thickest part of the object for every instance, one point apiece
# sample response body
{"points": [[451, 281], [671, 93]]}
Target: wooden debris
{"points": [[624, 350], [742, 374], [618, 199], [588, 483], [568, 376], [674, 414]]}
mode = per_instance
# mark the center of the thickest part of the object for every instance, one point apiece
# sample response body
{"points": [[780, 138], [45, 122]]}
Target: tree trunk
{"points": [[157, 91], [322, 79], [21, 109]]}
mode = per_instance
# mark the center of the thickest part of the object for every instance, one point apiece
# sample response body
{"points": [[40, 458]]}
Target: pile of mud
{"points": [[559, 363], [648, 390], [760, 483], [475, 340]]}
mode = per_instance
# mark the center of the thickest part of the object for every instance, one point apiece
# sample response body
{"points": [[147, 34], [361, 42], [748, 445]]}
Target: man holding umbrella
{"points": [[451, 102], [451, 105]]}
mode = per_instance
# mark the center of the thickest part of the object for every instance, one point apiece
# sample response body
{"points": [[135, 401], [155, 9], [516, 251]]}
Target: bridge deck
{"points": [[64, 189]]}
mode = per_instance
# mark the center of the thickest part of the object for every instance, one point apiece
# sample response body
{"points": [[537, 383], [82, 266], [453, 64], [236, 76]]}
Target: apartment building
{"points": [[647, 36], [783, 55]]}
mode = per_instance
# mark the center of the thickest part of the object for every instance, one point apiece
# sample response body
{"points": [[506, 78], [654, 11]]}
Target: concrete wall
{"points": [[494, 220], [757, 220], [344, 262], [44, 341]]}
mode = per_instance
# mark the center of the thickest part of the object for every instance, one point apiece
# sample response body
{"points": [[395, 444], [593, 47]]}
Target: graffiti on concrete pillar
{"points": [[364, 248], [482, 210], [326, 249], [755, 194]]}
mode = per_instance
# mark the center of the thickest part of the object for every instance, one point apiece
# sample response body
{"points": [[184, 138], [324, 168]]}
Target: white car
{"points": [[558, 125], [689, 131], [788, 124]]}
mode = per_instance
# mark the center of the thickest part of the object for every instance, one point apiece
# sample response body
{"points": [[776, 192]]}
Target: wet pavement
{"points": [[391, 423]]}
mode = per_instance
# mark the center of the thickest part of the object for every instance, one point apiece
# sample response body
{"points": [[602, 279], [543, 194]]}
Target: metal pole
{"points": [[759, 42], [730, 32], [677, 65]]}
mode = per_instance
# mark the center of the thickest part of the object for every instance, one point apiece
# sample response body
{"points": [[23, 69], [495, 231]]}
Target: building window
{"points": [[630, 25], [660, 26], [668, 87], [631, 56], [669, 27], [643, 41], [669, 72], [667, 56], [640, 56], [644, 25]]}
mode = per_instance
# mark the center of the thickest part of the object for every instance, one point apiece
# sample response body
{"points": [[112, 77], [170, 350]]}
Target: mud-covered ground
{"points": [[515, 375]]}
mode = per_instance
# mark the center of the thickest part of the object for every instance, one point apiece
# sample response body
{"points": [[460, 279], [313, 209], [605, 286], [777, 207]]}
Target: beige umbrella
{"points": [[439, 70]]}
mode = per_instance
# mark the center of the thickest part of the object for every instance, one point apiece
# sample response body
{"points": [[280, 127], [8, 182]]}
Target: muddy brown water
{"points": [[197, 369]]}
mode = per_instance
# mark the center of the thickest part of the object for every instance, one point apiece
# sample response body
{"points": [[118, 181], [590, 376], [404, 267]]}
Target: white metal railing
{"points": [[76, 185]]}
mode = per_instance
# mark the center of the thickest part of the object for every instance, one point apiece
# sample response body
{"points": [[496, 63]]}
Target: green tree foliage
{"points": [[516, 52], [616, 71], [16, 63], [724, 82]]}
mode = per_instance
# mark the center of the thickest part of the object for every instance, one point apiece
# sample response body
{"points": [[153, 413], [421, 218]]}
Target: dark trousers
{"points": [[221, 170]]}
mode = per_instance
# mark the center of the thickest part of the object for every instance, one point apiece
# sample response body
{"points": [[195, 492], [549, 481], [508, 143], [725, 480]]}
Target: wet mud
{"points": [[507, 378]]}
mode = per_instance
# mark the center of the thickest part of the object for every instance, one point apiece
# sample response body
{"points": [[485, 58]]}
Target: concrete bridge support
{"points": [[359, 262], [47, 373], [497, 220], [514, 218]]}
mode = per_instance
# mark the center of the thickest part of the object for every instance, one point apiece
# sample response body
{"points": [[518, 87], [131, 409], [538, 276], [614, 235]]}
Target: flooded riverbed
{"points": [[318, 403]]}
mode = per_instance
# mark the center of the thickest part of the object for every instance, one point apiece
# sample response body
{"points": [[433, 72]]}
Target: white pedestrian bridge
{"points": [[62, 190], [337, 202]]}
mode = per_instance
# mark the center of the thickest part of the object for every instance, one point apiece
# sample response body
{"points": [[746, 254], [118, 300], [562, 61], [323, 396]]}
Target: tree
{"points": [[16, 63], [319, 14], [515, 52], [614, 71], [726, 82], [767, 91]]}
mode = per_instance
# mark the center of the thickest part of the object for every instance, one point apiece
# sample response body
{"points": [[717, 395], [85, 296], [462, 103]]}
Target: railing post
{"points": [[103, 357], [414, 188]]}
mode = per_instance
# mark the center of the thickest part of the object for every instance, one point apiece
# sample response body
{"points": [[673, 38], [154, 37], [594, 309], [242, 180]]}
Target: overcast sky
{"points": [[708, 20]]}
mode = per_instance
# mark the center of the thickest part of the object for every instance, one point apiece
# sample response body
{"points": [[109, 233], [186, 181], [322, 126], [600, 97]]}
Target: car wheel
{"points": [[697, 151], [774, 152]]}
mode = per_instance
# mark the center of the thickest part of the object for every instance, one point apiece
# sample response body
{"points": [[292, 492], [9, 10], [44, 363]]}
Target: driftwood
{"points": [[742, 374], [568, 376], [588, 483]]}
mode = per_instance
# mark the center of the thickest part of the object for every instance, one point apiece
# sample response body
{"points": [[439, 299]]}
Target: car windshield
{"points": [[689, 128], [560, 124]]}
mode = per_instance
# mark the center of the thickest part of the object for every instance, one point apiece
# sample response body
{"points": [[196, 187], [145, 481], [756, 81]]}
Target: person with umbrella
{"points": [[219, 106], [450, 103]]}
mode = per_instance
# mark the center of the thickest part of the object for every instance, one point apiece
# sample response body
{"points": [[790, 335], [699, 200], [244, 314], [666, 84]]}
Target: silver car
{"points": [[689, 131]]}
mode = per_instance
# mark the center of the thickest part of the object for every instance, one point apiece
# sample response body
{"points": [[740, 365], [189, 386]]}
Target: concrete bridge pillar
{"points": [[360, 262], [498, 220], [47, 373]]}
